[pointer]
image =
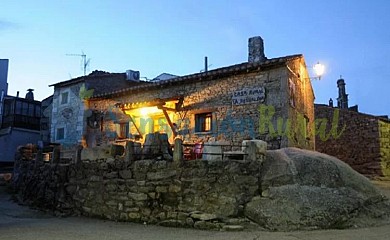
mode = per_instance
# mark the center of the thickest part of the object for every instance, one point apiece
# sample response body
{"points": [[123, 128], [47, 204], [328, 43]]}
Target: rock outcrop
{"points": [[304, 189]]}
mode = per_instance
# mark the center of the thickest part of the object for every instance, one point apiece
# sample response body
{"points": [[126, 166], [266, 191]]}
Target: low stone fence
{"points": [[203, 194]]}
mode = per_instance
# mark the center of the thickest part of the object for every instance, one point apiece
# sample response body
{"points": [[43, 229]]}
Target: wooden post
{"points": [[178, 151]]}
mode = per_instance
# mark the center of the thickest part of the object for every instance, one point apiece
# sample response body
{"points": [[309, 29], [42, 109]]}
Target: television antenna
{"points": [[84, 60]]}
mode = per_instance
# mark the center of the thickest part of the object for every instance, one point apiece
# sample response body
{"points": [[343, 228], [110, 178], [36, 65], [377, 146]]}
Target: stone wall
{"points": [[200, 194], [364, 144]]}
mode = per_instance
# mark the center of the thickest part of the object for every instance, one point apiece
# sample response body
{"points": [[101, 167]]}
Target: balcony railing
{"points": [[21, 121]]}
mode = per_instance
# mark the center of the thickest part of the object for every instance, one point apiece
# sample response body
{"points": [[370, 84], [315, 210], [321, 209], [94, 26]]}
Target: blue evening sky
{"points": [[351, 37]]}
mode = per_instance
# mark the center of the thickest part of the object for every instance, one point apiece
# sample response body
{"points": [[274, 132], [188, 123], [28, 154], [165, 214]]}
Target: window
{"points": [[60, 134], [24, 108], [64, 98], [18, 107], [203, 122], [38, 111], [31, 108]]}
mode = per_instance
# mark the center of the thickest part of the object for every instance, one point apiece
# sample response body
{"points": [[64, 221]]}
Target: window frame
{"points": [[201, 125], [57, 133], [62, 103]]}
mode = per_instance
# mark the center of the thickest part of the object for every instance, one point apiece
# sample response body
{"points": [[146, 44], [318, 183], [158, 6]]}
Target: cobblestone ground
{"points": [[20, 222]]}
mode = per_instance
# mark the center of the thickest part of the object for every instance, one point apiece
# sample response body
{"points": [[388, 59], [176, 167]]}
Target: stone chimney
{"points": [[342, 100], [256, 50]]}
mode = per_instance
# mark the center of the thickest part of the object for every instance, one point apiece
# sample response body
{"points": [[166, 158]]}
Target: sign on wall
{"points": [[248, 95]]}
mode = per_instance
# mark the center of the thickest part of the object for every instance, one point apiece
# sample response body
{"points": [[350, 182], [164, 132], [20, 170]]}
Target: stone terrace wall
{"points": [[200, 194], [364, 144]]}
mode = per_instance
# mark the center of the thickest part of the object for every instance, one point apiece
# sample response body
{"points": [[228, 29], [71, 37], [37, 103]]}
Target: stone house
{"points": [[362, 140], [267, 99], [69, 109]]}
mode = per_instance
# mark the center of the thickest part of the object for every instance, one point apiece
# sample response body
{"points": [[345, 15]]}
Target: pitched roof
{"points": [[93, 75], [102, 82], [212, 74]]}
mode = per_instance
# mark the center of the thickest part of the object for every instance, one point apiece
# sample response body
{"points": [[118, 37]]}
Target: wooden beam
{"points": [[135, 125], [169, 121], [167, 108]]}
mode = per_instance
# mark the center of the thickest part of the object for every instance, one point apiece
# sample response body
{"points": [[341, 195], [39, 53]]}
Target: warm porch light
{"points": [[319, 70], [145, 111]]}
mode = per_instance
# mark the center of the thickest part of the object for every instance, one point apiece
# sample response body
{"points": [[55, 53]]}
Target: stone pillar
{"points": [[256, 50], [178, 151], [129, 151], [212, 151], [165, 146], [56, 154], [254, 149]]}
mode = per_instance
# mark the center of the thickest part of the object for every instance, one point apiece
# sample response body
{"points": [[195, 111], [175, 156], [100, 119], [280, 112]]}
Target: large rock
{"points": [[303, 189]]}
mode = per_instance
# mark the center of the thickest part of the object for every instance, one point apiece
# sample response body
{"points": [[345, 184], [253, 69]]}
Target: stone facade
{"points": [[364, 143], [68, 115], [287, 90]]}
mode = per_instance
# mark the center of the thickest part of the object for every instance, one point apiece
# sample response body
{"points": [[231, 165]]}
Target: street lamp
{"points": [[319, 70]]}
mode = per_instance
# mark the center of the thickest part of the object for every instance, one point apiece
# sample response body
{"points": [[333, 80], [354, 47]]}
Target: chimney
{"points": [[330, 102], [30, 94], [256, 50]]}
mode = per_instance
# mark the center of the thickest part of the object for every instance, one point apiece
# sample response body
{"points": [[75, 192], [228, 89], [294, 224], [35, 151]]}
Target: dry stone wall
{"points": [[199, 194]]}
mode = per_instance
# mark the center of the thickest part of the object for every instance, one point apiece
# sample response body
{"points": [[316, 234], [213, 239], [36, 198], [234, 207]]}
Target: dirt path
{"points": [[19, 222]]}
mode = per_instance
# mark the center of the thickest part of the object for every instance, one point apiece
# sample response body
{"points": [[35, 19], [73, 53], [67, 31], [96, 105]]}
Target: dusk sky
{"points": [[351, 38]]}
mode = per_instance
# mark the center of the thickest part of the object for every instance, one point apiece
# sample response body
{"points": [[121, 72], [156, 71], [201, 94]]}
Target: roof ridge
{"points": [[226, 69]]}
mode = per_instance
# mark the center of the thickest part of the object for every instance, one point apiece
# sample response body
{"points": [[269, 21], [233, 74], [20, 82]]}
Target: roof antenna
{"points": [[84, 59]]}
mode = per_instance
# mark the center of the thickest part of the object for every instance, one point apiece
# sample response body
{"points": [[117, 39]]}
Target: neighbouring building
{"points": [[71, 114], [269, 99], [19, 123], [362, 140]]}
